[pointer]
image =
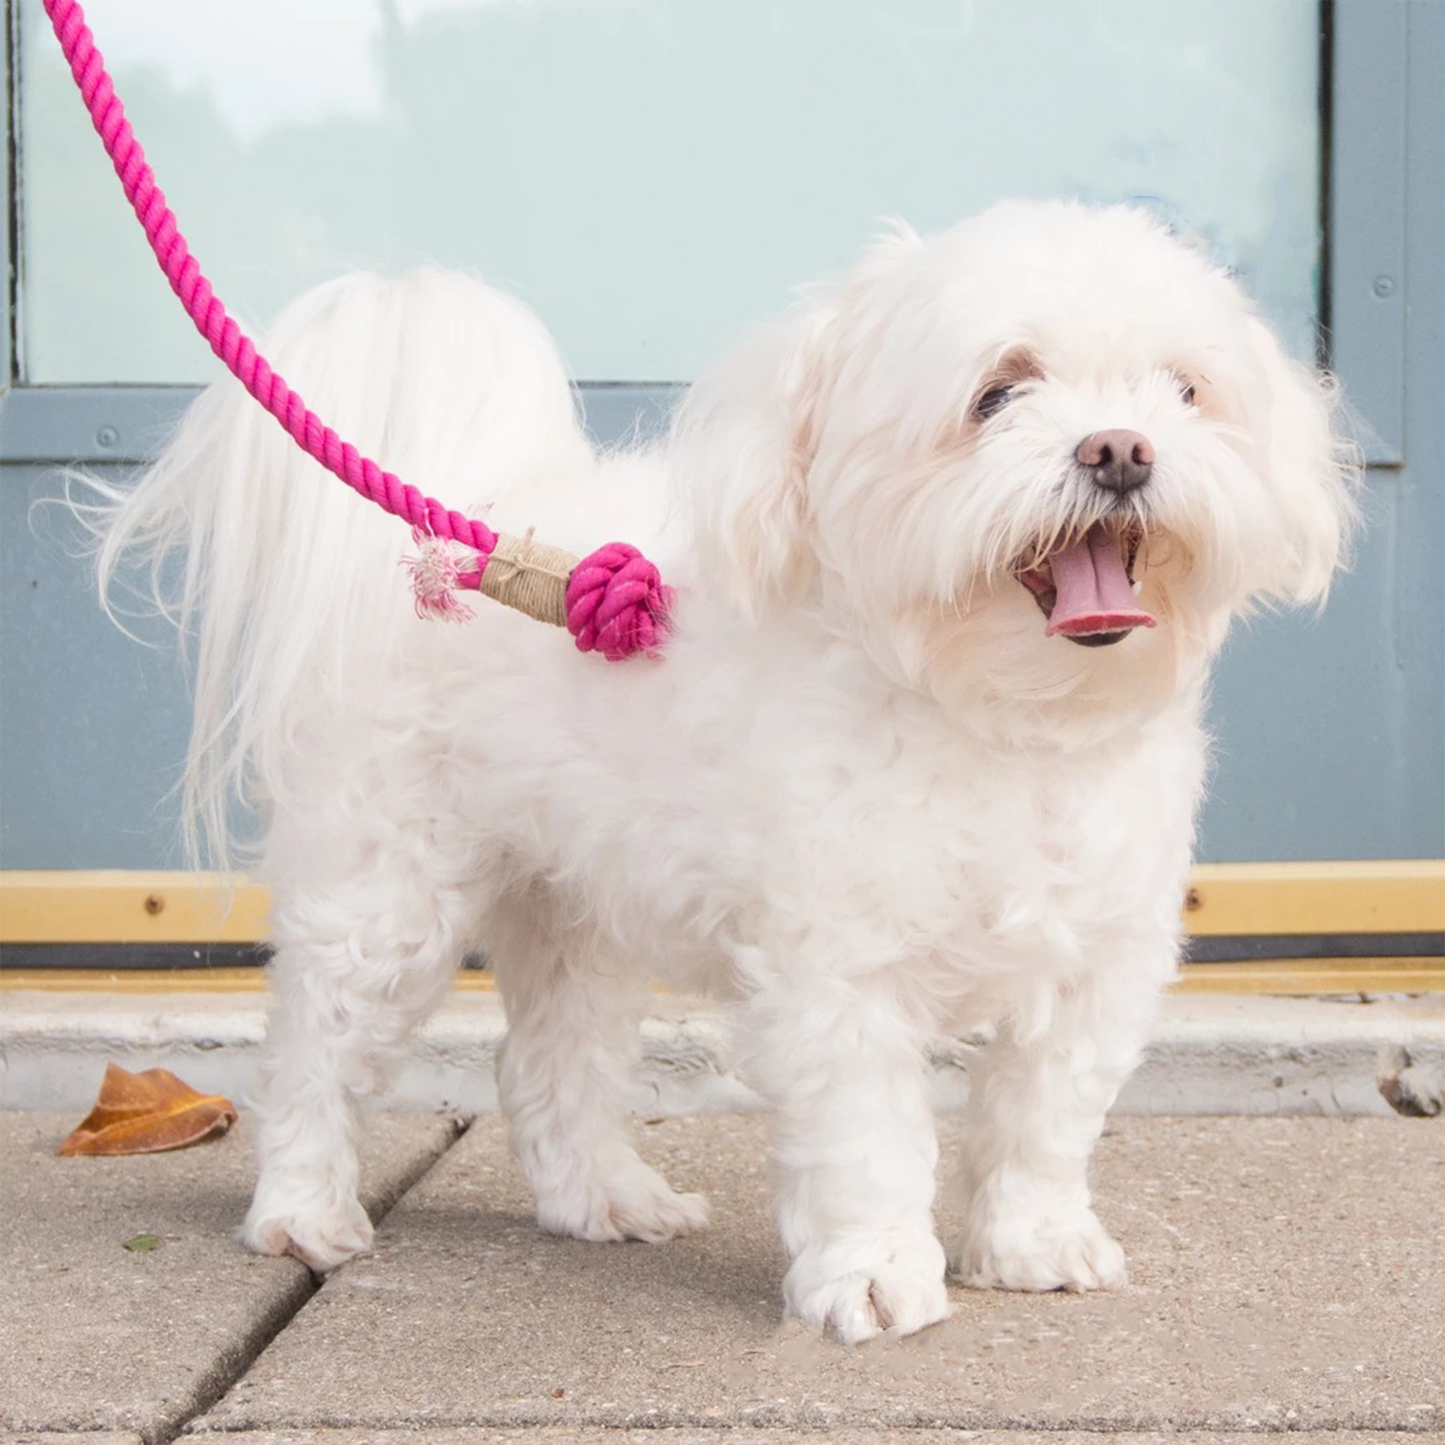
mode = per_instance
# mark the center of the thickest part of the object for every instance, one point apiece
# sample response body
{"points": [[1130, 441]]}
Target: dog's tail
{"points": [[289, 586]]}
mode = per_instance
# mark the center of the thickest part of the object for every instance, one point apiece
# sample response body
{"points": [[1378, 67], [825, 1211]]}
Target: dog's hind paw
{"points": [[862, 1288], [321, 1241], [634, 1202]]}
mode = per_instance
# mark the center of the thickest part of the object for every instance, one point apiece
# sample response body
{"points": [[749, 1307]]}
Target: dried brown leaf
{"points": [[147, 1113]]}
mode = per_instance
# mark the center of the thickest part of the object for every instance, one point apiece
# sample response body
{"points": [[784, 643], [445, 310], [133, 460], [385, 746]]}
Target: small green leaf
{"points": [[142, 1243]]}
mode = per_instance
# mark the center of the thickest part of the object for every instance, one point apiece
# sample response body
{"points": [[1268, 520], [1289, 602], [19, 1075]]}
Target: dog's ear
{"points": [[742, 446], [1313, 471]]}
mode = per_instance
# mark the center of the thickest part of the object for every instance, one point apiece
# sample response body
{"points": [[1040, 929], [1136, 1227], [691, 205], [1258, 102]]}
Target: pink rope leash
{"points": [[615, 601]]}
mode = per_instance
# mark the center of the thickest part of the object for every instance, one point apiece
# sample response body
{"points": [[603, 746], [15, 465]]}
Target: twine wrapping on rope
{"points": [[613, 601], [530, 577]]}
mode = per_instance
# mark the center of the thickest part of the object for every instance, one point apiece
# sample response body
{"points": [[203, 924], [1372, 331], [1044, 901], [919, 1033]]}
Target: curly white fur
{"points": [[863, 795]]}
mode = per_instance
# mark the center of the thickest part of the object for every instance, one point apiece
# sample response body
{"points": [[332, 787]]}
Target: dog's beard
{"points": [[1095, 624]]}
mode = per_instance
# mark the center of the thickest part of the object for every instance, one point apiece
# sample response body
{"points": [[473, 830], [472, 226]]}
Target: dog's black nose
{"points": [[1119, 460]]}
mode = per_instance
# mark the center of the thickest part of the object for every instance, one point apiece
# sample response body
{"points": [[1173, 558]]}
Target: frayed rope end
{"points": [[437, 576]]}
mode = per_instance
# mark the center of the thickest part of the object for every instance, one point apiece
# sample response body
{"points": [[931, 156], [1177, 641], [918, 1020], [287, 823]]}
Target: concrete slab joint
{"points": [[95, 1338]]}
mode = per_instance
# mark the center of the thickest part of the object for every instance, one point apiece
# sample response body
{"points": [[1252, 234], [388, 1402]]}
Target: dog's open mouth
{"points": [[1086, 586]]}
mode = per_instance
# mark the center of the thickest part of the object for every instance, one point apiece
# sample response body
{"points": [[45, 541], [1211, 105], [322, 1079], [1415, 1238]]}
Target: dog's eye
{"points": [[1186, 392], [992, 401]]}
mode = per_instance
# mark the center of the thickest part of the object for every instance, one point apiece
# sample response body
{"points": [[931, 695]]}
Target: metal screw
{"points": [[107, 436], [1384, 286], [154, 904]]}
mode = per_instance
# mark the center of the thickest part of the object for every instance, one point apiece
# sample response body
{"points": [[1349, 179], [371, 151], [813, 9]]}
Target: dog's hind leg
{"points": [[357, 967], [565, 1077]]}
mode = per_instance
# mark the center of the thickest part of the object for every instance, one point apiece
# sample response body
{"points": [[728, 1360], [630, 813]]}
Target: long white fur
{"points": [[863, 795]]}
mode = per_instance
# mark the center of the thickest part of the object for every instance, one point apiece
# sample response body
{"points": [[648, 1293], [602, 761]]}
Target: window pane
{"points": [[649, 175]]}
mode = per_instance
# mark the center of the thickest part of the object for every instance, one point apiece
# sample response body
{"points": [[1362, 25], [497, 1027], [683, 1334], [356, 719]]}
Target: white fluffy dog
{"points": [[954, 543]]}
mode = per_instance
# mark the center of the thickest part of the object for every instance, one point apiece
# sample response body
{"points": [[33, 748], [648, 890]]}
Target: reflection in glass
{"points": [[649, 175]]}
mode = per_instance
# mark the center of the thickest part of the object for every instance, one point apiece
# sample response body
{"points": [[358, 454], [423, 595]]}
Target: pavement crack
{"points": [[404, 1183], [218, 1381]]}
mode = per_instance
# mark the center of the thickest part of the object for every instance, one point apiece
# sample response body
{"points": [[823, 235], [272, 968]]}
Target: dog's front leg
{"points": [[855, 1155], [1037, 1101]]}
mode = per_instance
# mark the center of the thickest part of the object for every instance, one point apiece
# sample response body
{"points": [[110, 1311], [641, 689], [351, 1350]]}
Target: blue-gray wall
{"points": [[1330, 732]]}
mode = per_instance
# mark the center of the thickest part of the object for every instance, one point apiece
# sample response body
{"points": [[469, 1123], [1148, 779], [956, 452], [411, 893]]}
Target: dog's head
{"points": [[1048, 454]]}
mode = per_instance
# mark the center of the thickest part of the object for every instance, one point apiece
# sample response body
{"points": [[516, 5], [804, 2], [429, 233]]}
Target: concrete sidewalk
{"points": [[1287, 1275]]}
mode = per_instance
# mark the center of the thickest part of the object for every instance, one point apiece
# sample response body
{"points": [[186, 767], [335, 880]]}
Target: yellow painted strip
{"points": [[1277, 976], [170, 980], [133, 980], [1225, 898], [1315, 975], [1367, 897], [127, 907]]}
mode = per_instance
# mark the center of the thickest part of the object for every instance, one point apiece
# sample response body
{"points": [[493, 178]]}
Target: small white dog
{"points": [[955, 544]]}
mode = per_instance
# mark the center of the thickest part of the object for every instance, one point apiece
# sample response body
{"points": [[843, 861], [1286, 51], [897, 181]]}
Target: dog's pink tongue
{"points": [[1092, 591]]}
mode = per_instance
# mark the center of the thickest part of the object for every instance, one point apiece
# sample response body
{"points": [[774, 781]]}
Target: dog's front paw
{"points": [[860, 1287], [1044, 1252], [321, 1239], [627, 1202]]}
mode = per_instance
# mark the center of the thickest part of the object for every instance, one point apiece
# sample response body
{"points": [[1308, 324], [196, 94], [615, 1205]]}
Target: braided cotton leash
{"points": [[612, 601]]}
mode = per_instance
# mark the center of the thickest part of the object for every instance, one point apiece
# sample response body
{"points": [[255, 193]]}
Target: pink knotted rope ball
{"points": [[616, 603]]}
